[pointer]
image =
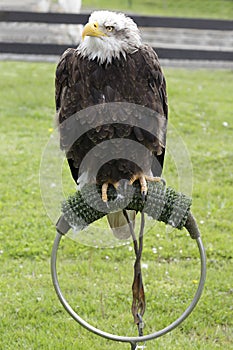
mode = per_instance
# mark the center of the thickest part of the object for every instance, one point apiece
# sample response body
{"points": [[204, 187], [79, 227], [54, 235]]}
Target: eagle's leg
{"points": [[142, 180], [104, 189]]}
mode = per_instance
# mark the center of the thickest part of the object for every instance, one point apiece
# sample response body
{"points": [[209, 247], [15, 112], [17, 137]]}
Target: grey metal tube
{"points": [[132, 340]]}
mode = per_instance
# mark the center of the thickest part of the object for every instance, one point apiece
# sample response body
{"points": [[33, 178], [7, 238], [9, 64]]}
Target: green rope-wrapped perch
{"points": [[162, 203]]}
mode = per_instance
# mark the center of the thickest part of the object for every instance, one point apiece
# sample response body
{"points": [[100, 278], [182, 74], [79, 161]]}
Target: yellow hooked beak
{"points": [[92, 29]]}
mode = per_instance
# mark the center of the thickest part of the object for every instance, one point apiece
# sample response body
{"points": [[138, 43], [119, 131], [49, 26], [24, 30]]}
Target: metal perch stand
{"points": [[163, 204]]}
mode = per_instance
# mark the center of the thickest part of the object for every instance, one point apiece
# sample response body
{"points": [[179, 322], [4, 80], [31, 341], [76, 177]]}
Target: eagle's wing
{"points": [[157, 82], [68, 101], [62, 81], [157, 86]]}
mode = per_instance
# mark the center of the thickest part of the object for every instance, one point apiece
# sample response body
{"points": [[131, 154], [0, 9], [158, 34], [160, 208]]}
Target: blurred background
{"points": [[166, 36]]}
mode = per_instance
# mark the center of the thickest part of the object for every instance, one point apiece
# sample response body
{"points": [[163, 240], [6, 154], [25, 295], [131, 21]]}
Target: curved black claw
{"points": [[144, 194]]}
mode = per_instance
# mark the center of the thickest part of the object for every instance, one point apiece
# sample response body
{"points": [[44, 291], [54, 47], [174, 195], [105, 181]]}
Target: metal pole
{"points": [[132, 340]]}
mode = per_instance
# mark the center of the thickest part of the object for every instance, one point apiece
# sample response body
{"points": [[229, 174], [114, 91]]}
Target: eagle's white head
{"points": [[109, 35]]}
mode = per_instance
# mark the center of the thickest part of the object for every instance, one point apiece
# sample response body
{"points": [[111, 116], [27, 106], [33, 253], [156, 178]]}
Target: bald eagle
{"points": [[112, 66]]}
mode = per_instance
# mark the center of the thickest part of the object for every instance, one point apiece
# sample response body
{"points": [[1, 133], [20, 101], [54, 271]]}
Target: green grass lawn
{"points": [[179, 8], [97, 282]]}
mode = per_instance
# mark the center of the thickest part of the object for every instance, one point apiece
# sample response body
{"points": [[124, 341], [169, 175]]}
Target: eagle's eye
{"points": [[109, 28]]}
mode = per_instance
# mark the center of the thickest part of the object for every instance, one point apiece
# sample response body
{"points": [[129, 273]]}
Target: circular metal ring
{"points": [[132, 340]]}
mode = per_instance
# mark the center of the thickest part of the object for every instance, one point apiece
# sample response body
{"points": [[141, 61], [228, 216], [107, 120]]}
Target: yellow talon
{"points": [[116, 185], [104, 192], [105, 189], [142, 180]]}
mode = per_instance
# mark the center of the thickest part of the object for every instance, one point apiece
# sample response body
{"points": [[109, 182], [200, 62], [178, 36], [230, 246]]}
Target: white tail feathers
{"points": [[119, 225]]}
